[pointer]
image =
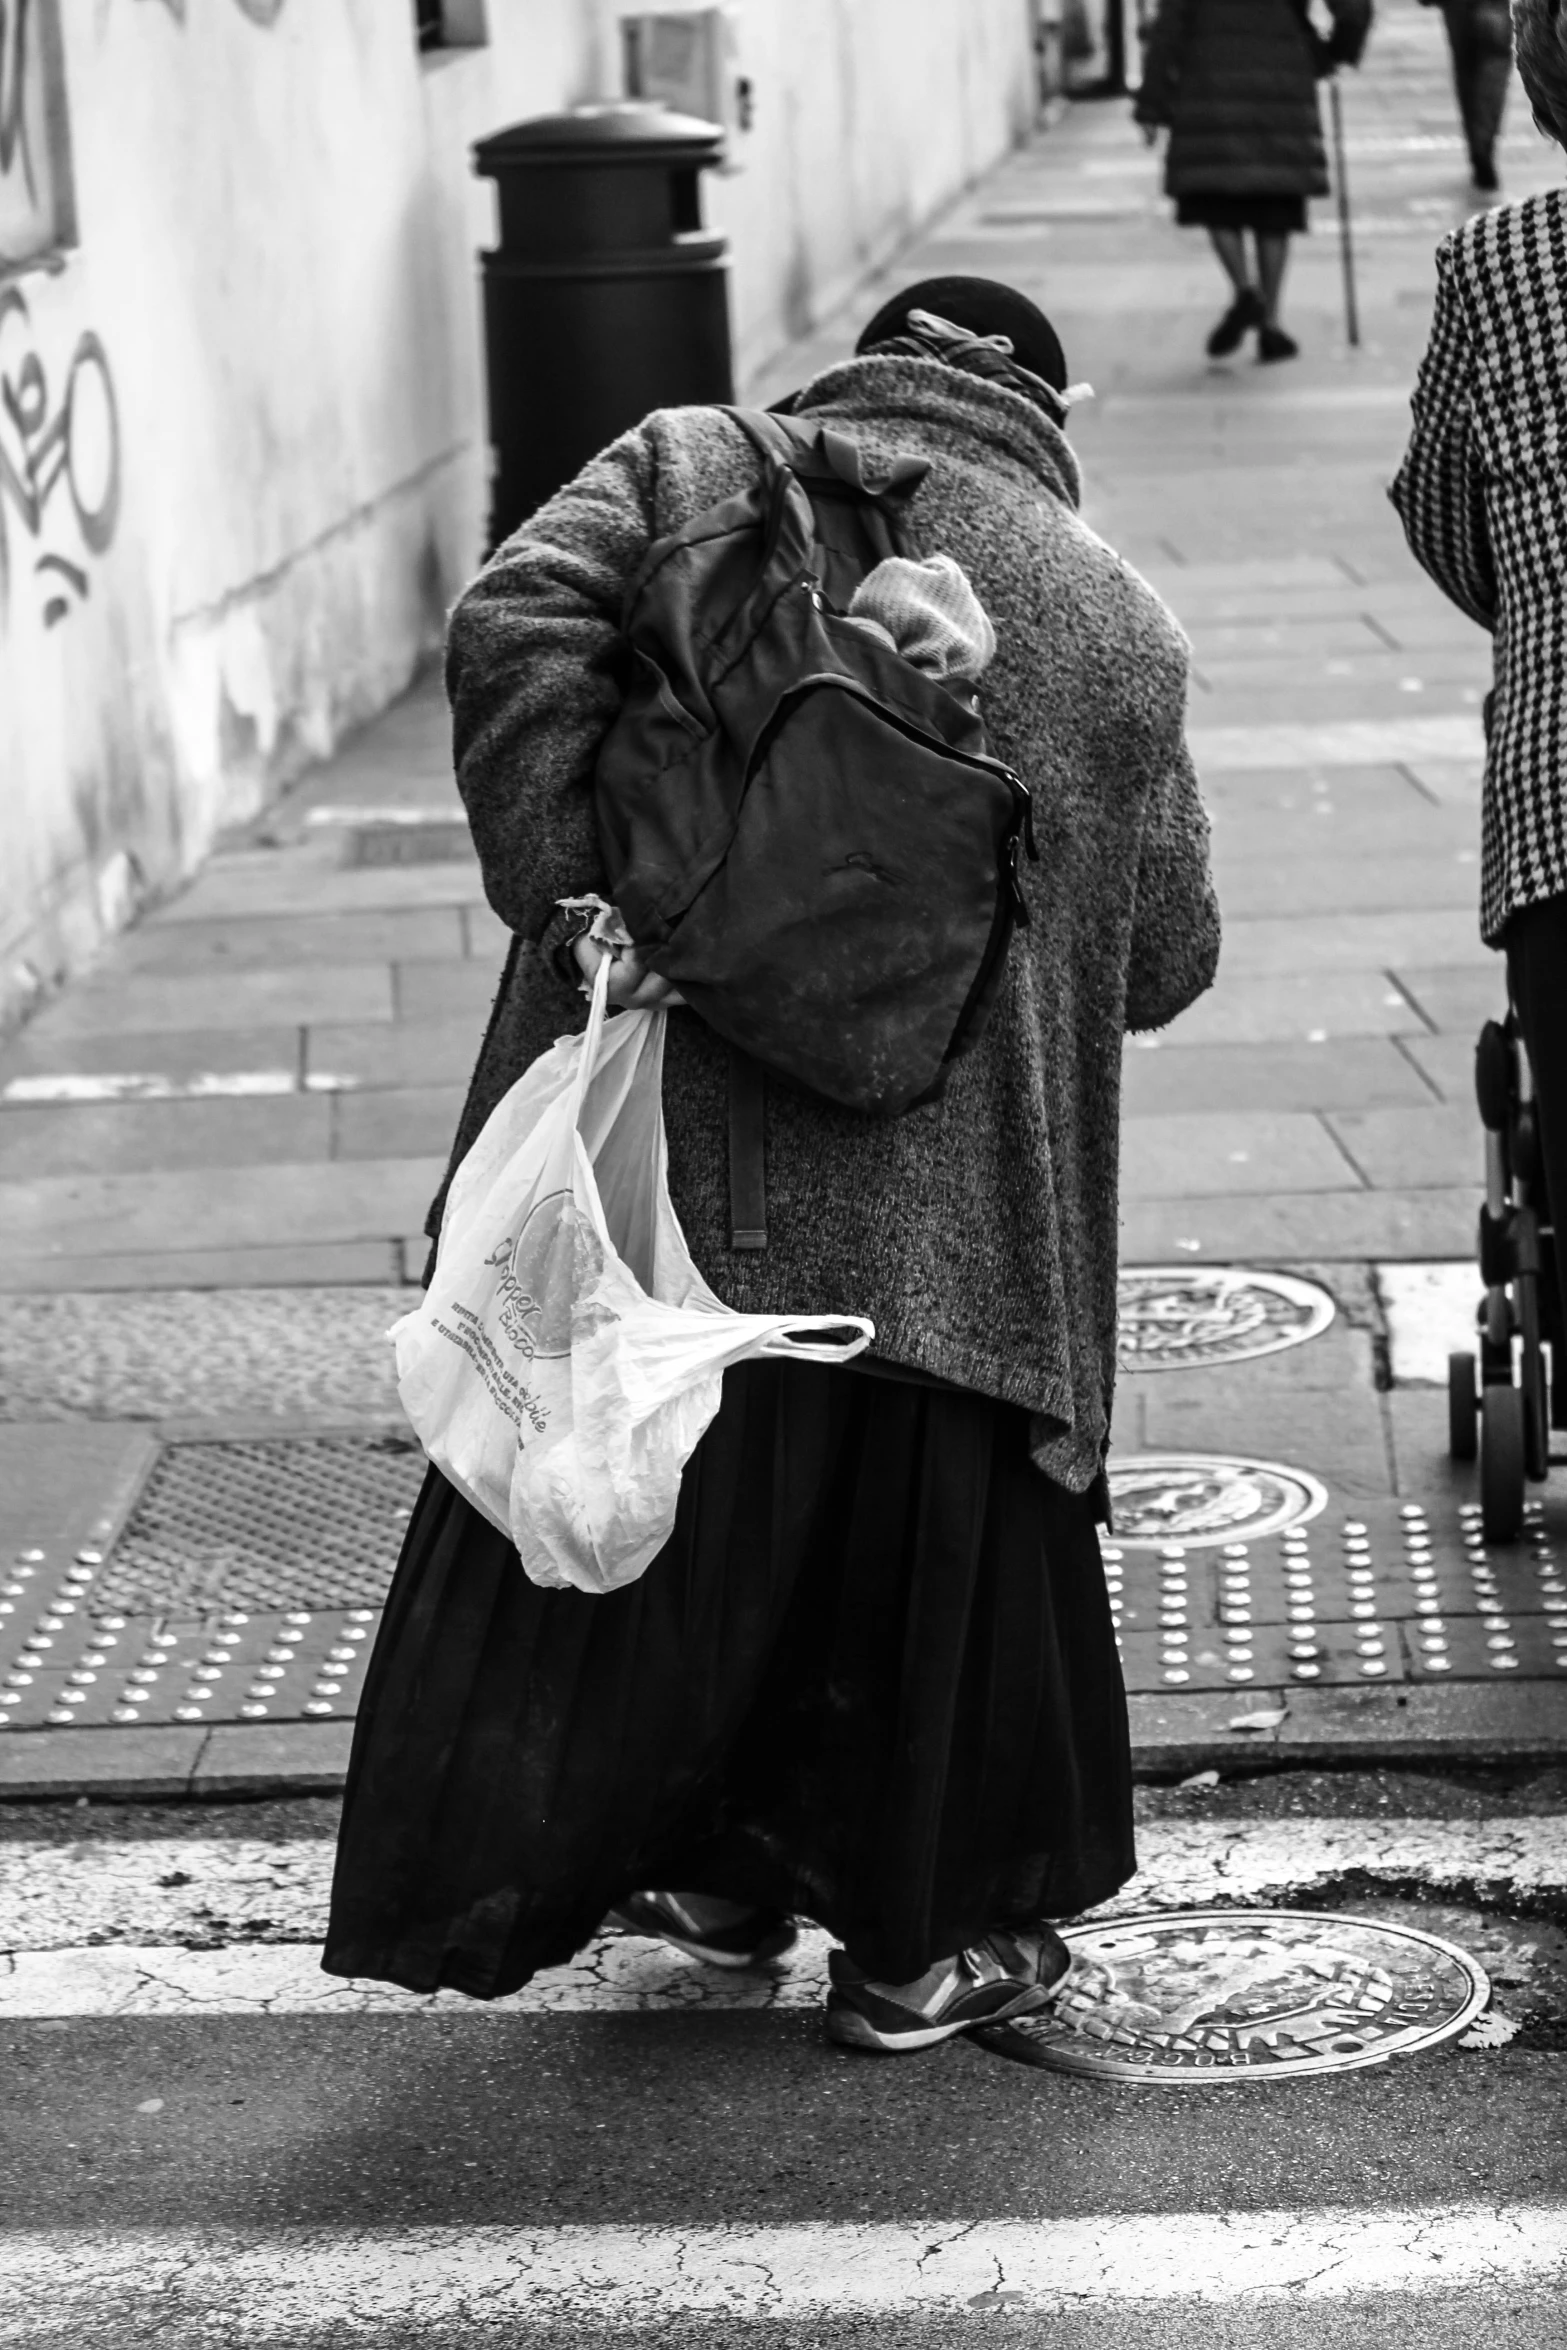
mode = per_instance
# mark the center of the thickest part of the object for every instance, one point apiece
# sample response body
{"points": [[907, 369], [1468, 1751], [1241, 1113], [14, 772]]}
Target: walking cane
{"points": [[1346, 241]]}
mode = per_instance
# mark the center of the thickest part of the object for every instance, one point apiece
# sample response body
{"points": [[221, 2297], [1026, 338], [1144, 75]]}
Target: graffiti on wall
{"points": [[59, 461], [35, 164]]}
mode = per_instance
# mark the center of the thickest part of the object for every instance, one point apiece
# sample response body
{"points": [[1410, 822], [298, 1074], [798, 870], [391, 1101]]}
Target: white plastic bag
{"points": [[568, 1354]]}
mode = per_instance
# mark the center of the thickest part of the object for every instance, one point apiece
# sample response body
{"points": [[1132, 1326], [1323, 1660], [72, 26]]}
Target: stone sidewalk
{"points": [[216, 1149]]}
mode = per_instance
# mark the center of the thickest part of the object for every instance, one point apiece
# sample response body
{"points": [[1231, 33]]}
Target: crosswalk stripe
{"points": [[64, 2285], [226, 1926], [170, 1888], [616, 1975]]}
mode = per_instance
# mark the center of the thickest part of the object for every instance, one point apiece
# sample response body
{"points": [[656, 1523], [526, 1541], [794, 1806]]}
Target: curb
{"points": [[1293, 1728], [226, 1763], [1271, 1729]]}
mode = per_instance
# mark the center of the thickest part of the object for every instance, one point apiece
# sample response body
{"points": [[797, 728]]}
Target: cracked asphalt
{"points": [[229, 2150]]}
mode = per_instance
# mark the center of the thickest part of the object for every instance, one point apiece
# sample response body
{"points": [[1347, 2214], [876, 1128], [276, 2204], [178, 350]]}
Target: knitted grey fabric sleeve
{"points": [[534, 670], [1175, 919], [1439, 489]]}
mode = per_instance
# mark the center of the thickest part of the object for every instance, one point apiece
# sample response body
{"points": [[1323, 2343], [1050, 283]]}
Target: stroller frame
{"points": [[1503, 1403]]}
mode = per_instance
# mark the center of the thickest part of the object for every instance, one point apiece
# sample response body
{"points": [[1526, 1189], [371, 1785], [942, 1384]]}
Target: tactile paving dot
{"points": [[1358, 1594]]}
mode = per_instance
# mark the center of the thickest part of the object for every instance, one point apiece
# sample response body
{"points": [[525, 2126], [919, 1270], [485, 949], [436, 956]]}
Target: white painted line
{"points": [[616, 1975], [298, 2284], [1430, 1315], [103, 1929], [1351, 742], [124, 1085], [170, 1889]]}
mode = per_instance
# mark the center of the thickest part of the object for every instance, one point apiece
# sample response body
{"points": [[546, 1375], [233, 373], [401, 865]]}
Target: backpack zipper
{"points": [[1023, 798]]}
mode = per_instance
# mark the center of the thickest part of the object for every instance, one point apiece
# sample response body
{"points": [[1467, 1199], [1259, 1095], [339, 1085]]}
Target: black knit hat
{"points": [[984, 307]]}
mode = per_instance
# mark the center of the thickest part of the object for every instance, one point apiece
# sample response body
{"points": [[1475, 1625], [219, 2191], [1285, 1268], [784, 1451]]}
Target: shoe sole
{"points": [[847, 2028], [770, 1947]]}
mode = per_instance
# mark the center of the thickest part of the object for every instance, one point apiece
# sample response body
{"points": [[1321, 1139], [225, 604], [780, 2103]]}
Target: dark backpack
{"points": [[805, 834]]}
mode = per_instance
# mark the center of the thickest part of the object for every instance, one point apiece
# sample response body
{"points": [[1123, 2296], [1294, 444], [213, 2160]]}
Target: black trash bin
{"points": [[605, 296]]}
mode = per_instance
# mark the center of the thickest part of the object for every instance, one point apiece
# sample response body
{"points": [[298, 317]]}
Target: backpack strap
{"points": [[856, 504], [747, 1151]]}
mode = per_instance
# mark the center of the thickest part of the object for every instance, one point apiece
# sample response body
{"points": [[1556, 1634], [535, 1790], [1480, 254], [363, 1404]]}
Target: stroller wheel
{"points": [[1532, 1382], [1494, 1081], [1501, 1463], [1463, 1436]]}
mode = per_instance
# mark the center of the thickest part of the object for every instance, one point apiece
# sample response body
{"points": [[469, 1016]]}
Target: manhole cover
{"points": [[1200, 1498], [1196, 1995], [1180, 1317]]}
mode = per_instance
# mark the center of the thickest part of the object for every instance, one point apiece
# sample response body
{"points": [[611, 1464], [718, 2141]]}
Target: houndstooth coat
{"points": [[1482, 493]]}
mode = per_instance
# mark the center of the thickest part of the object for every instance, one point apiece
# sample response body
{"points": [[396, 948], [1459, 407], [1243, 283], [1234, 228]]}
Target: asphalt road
{"points": [[244, 2177], [266, 2125]]}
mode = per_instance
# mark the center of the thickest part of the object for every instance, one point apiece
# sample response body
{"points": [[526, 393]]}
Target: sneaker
{"points": [[1004, 1976], [1243, 314], [1274, 343], [760, 1935]]}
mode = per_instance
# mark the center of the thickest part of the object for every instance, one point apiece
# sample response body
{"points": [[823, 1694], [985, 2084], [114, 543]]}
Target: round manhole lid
{"points": [[1179, 1317], [1199, 1498], [1189, 1996]]}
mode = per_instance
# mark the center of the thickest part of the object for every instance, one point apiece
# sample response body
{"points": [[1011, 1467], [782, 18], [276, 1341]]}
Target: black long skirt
{"points": [[871, 1679]]}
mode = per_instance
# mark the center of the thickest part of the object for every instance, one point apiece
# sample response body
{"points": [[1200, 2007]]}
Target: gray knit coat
{"points": [[978, 1232]]}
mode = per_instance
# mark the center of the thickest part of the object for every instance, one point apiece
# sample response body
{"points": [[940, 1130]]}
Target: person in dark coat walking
{"points": [[1482, 496], [1480, 41], [872, 1677], [1235, 84]]}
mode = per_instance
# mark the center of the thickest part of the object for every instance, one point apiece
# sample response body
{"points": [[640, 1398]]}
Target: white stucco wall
{"points": [[254, 471]]}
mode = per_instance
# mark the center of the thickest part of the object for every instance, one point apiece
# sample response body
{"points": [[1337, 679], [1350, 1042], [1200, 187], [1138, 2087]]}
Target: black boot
{"points": [[1243, 314], [1274, 343]]}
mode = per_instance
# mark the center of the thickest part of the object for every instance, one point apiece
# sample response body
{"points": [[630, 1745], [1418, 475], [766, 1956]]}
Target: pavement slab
{"points": [[180, 1056], [1194, 1155], [145, 1003], [257, 883], [413, 1055], [1269, 1229], [1297, 1007], [1447, 1063], [308, 941], [291, 1264], [1406, 1149], [75, 1217], [1459, 999], [145, 1137], [1344, 1073]]}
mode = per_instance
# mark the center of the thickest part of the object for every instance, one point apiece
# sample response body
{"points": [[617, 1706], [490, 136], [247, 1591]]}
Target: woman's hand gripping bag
{"points": [[568, 1354]]}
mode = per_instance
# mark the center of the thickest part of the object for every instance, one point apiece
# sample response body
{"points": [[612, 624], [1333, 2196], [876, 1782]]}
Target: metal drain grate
{"points": [[285, 1524], [244, 1588]]}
